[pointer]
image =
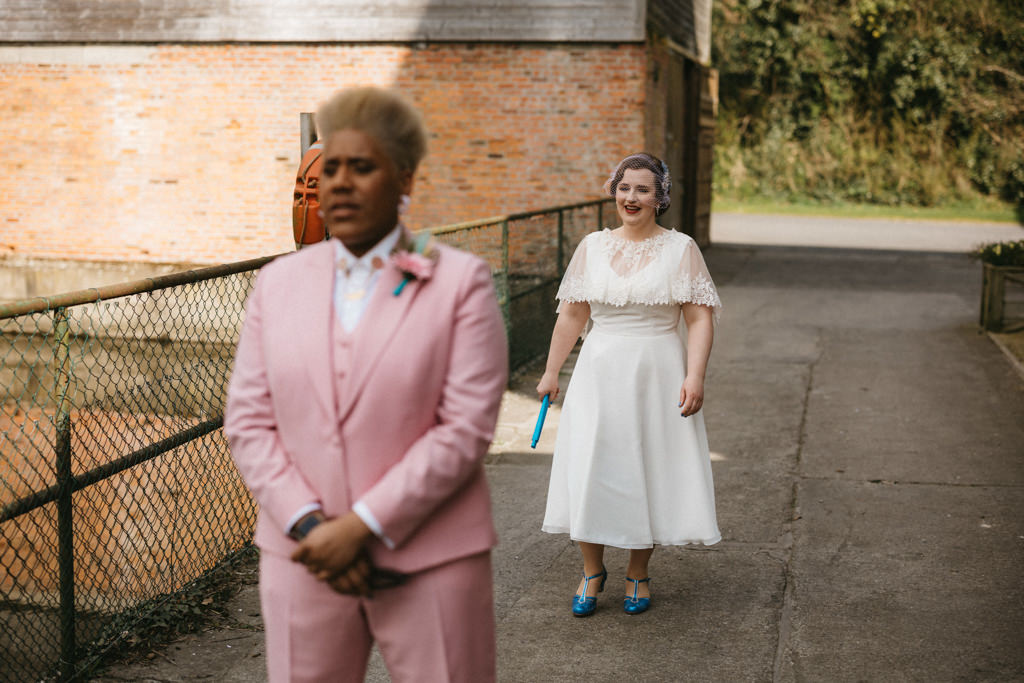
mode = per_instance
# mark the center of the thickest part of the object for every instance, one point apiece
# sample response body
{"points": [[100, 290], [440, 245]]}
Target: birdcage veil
{"points": [[643, 160]]}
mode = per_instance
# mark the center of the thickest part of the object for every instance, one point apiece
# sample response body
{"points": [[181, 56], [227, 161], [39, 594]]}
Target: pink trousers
{"points": [[436, 627]]}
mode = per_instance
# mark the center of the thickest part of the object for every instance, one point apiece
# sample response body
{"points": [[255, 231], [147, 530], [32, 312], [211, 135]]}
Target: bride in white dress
{"points": [[631, 467]]}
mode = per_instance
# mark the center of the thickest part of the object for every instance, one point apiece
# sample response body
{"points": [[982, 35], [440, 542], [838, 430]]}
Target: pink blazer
{"points": [[428, 374]]}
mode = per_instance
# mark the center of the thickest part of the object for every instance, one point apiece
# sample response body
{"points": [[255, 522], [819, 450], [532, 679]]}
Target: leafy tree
{"points": [[885, 101]]}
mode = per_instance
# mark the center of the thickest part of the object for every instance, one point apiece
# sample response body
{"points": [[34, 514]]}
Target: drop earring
{"points": [[404, 202]]}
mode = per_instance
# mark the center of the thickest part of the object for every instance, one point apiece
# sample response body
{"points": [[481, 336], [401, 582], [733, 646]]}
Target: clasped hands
{"points": [[335, 552]]}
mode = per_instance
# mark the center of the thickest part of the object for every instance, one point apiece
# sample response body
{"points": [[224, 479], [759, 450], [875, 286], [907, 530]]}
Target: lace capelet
{"points": [[665, 269]]}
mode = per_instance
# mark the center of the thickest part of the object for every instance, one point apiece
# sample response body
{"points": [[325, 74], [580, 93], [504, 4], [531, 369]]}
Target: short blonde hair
{"points": [[384, 115]]}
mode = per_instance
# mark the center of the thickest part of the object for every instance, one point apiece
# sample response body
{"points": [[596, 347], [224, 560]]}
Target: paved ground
{"points": [[861, 233], [868, 451]]}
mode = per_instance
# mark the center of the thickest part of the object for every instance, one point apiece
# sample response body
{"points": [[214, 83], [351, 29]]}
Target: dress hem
{"points": [[632, 546]]}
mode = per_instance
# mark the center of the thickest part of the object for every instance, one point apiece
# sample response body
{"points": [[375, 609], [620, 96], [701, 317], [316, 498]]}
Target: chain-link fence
{"points": [[116, 485], [528, 253]]}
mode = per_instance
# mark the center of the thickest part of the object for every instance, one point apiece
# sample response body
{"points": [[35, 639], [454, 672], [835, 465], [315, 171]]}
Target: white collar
{"points": [[382, 250]]}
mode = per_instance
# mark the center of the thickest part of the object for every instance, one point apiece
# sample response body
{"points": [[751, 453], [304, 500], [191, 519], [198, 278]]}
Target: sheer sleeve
{"points": [[573, 287], [692, 282]]}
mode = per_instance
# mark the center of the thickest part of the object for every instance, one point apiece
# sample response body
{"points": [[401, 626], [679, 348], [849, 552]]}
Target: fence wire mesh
{"points": [[116, 485], [528, 253]]}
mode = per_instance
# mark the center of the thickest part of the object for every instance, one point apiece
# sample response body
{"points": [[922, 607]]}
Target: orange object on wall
{"points": [[307, 224]]}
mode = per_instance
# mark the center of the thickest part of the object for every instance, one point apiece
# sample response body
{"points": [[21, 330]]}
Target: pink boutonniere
{"points": [[416, 260]]}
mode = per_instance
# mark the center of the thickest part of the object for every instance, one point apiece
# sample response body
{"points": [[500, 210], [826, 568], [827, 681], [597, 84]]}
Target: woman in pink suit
{"points": [[366, 388]]}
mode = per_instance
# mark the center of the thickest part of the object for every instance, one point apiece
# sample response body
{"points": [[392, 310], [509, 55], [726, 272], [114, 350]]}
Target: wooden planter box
{"points": [[993, 293]]}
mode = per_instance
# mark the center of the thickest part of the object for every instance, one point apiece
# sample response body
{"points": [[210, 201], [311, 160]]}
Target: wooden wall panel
{"points": [[170, 21], [686, 22]]}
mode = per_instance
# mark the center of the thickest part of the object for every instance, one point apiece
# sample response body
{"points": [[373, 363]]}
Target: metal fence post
{"points": [[600, 215], [307, 133], [505, 295], [65, 528]]}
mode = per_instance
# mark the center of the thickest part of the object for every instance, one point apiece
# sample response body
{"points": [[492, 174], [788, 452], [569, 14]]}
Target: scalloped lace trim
{"points": [[699, 290]]}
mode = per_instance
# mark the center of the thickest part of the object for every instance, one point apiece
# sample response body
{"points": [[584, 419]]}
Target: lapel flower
{"points": [[415, 259]]}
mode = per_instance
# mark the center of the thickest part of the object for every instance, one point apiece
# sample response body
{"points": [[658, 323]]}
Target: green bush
{"points": [[1001, 253], [893, 102]]}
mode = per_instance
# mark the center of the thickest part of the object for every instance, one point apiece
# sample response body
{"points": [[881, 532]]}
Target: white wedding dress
{"points": [[628, 471]]}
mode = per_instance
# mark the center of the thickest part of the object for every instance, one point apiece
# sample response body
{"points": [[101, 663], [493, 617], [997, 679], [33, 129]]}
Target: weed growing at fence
{"points": [[155, 624]]}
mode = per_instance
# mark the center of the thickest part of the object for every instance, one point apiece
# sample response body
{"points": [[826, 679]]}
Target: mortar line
{"points": [[786, 611]]}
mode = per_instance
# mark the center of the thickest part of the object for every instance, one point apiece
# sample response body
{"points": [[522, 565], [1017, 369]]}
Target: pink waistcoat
{"points": [[341, 368]]}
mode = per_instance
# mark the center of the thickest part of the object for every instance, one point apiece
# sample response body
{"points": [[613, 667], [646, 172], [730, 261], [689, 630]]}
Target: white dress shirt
{"points": [[355, 279]]}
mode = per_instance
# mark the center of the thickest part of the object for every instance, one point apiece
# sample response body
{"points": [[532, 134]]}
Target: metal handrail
{"points": [[495, 220], [43, 304]]}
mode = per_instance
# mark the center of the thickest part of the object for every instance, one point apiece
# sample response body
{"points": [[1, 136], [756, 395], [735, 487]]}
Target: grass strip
{"points": [[990, 211]]}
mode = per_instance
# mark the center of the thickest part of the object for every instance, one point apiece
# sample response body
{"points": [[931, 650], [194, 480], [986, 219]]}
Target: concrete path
{"points": [[868, 452], [858, 233]]}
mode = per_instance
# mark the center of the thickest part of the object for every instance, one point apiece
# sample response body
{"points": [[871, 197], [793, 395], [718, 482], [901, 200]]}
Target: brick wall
{"points": [[188, 153]]}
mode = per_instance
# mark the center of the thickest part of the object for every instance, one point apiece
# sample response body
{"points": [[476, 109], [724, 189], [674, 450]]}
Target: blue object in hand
{"points": [[540, 420]]}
